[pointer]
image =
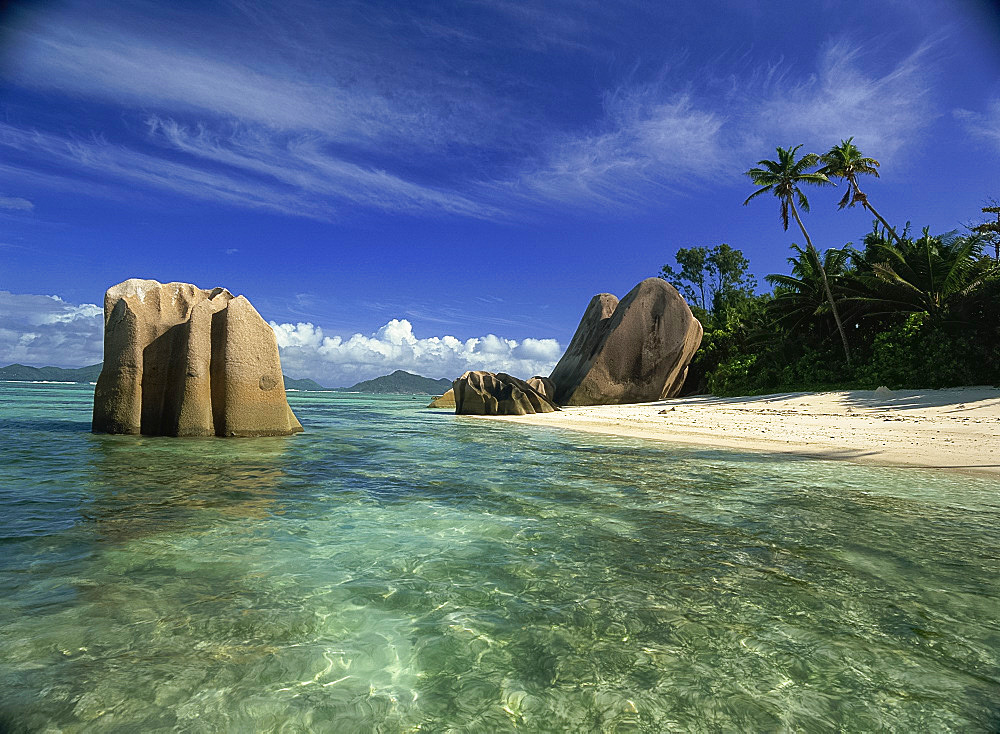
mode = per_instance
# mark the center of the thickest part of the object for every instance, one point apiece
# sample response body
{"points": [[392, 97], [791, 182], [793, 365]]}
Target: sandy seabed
{"points": [[956, 428]]}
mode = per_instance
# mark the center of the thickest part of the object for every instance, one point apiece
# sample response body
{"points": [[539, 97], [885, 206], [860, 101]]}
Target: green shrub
{"points": [[919, 354]]}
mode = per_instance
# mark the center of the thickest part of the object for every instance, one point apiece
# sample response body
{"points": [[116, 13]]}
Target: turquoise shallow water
{"points": [[396, 569]]}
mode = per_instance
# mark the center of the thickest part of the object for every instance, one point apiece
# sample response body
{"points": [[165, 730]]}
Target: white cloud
{"points": [[883, 112], [296, 178], [302, 83], [304, 164], [297, 123], [310, 111], [653, 143], [95, 156], [334, 361], [650, 144], [45, 330], [985, 126], [15, 203]]}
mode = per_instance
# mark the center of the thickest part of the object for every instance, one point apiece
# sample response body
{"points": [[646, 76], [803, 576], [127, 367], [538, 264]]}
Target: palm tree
{"points": [[845, 161], [800, 299], [782, 178], [932, 275]]}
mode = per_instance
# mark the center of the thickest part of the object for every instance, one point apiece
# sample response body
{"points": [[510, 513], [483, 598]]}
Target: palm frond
{"points": [[848, 197], [755, 194]]}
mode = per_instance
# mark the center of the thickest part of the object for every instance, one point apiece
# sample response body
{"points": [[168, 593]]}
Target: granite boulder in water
{"points": [[486, 393], [184, 361], [444, 401], [631, 351]]}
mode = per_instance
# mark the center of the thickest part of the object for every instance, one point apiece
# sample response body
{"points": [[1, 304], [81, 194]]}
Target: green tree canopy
{"points": [[710, 278]]}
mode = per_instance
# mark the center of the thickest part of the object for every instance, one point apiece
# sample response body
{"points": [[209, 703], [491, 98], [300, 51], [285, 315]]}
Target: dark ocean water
{"points": [[395, 569]]}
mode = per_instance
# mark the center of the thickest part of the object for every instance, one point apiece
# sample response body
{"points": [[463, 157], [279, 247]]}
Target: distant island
{"points": [[304, 384], [23, 373], [400, 382]]}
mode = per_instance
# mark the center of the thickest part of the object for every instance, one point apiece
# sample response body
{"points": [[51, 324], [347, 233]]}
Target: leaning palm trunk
{"points": [[863, 198], [826, 283]]}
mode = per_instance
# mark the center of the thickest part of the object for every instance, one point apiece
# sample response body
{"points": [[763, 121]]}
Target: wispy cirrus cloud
{"points": [[305, 164], [648, 145], [291, 176], [653, 143], [312, 119], [982, 125], [298, 128], [97, 157], [284, 84], [884, 111], [15, 204]]}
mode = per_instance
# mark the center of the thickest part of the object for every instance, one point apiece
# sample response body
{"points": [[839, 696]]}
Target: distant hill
{"points": [[50, 374], [401, 382], [303, 384], [21, 372]]}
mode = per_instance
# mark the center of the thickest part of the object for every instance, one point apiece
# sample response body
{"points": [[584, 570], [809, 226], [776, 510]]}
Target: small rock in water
{"points": [[883, 393], [486, 393], [444, 401]]}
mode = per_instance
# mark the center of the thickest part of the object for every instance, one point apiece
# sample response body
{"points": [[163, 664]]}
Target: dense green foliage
{"points": [[921, 314], [916, 312]]}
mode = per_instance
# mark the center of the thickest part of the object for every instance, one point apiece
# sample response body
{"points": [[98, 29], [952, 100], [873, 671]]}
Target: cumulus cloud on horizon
{"points": [[46, 330], [335, 361], [41, 330]]}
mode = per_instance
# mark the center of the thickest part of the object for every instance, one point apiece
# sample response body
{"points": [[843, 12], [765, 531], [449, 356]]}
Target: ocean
{"points": [[395, 569]]}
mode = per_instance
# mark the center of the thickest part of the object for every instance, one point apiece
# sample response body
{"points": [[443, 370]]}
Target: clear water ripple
{"points": [[396, 569]]}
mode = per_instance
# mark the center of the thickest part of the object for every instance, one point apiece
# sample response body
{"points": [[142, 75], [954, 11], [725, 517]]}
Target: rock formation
{"points": [[631, 351], [184, 361], [444, 401], [543, 385], [486, 393]]}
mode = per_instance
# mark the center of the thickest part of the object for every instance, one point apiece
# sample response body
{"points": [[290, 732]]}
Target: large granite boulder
{"points": [[631, 351], [184, 361], [486, 393]]}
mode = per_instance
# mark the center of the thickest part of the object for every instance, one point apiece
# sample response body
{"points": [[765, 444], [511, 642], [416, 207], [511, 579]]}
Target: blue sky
{"points": [[444, 185]]}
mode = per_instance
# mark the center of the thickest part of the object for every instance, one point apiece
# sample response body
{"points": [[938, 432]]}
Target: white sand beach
{"points": [[956, 429]]}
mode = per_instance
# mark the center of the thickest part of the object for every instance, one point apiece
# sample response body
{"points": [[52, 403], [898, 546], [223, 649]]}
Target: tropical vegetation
{"points": [[902, 310]]}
